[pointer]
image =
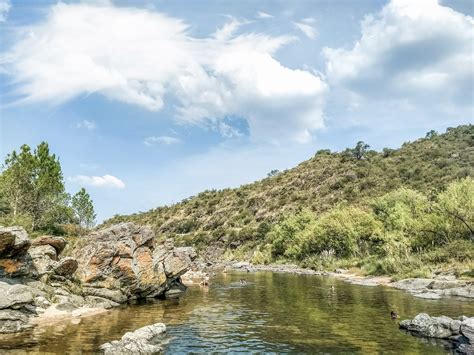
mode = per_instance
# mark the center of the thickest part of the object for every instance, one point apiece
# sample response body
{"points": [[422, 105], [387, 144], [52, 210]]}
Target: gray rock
{"points": [[99, 302], [42, 251], [43, 258], [467, 329], [412, 284], [12, 321], [433, 327], [467, 291], [66, 267], [14, 296], [13, 241], [113, 295], [58, 243], [146, 340], [428, 295], [455, 326]]}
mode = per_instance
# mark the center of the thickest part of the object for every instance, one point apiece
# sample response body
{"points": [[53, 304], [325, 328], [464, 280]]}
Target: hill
{"points": [[238, 221]]}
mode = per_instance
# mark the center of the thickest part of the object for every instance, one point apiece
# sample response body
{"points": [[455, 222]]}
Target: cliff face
{"points": [[106, 268], [125, 258]]}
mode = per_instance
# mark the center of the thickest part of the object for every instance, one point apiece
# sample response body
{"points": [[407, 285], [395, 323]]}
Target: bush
{"points": [[347, 231], [287, 237]]}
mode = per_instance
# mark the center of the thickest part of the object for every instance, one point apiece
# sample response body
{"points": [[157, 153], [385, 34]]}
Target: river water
{"points": [[272, 313]]}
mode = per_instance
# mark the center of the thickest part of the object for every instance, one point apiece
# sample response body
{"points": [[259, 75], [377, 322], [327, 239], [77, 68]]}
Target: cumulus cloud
{"points": [[89, 125], [165, 140], [410, 51], [140, 57], [5, 7], [305, 27], [98, 181]]}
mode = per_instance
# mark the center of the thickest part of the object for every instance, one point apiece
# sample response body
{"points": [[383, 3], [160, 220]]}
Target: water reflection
{"points": [[278, 313]]}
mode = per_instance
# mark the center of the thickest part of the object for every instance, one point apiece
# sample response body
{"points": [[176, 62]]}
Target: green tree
{"points": [[360, 150], [17, 180], [32, 183], [83, 208], [456, 206]]}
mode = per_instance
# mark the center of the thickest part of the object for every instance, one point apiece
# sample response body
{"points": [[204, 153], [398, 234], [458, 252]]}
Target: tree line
{"points": [[33, 195]]}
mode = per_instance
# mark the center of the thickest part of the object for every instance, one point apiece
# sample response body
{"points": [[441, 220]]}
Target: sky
{"points": [[147, 102]]}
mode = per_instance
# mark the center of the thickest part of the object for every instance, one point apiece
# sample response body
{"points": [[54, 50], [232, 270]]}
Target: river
{"points": [[272, 313]]}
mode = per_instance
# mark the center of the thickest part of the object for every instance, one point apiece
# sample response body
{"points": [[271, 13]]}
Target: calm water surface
{"points": [[273, 313]]}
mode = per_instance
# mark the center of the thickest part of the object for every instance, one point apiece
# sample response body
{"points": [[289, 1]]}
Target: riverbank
{"points": [[440, 286]]}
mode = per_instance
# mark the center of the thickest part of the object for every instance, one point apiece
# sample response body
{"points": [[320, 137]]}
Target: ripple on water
{"points": [[272, 313]]}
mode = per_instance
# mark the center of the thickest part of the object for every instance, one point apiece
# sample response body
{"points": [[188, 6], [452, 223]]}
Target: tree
{"points": [[274, 172], [360, 150], [431, 134], [83, 208], [456, 205], [32, 183], [17, 179]]}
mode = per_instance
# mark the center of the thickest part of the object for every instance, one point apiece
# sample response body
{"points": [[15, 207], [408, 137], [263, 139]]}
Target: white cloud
{"points": [[263, 15], [141, 57], [89, 125], [98, 181], [306, 28], [416, 52], [5, 7], [228, 30], [165, 140]]}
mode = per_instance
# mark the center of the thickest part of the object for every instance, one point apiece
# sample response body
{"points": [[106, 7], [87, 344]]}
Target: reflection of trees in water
{"points": [[271, 310]]}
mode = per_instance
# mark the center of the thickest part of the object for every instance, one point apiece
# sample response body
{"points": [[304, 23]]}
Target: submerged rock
{"points": [[146, 340]]}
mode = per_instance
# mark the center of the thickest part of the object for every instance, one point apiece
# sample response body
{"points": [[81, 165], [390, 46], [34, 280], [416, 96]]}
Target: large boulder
{"points": [[437, 327], [125, 257], [14, 259], [58, 243], [13, 241], [467, 329], [14, 296], [146, 340]]}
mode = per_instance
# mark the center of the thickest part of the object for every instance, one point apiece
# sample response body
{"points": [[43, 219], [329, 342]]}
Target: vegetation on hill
{"points": [[391, 212], [32, 194]]}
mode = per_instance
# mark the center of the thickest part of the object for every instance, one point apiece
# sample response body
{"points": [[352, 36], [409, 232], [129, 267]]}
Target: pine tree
{"points": [[83, 209]]}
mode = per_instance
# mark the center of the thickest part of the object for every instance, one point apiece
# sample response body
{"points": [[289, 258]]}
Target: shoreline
{"points": [[438, 287]]}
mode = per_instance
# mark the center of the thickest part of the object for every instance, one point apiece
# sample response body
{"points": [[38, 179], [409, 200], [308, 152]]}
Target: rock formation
{"points": [[124, 262], [146, 340], [436, 288], [107, 267], [459, 331]]}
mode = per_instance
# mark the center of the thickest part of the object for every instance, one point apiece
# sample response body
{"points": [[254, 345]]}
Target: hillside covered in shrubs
{"points": [[403, 211]]}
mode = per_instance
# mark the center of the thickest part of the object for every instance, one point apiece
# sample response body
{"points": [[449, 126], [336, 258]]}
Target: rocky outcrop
{"points": [[436, 288], [459, 331], [125, 259], [146, 340], [107, 268], [14, 259]]}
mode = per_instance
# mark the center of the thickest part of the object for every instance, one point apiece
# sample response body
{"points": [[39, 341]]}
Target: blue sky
{"points": [[149, 102]]}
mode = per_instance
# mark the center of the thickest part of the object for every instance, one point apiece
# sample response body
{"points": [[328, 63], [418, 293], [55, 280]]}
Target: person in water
{"points": [[393, 315], [243, 282], [205, 281]]}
